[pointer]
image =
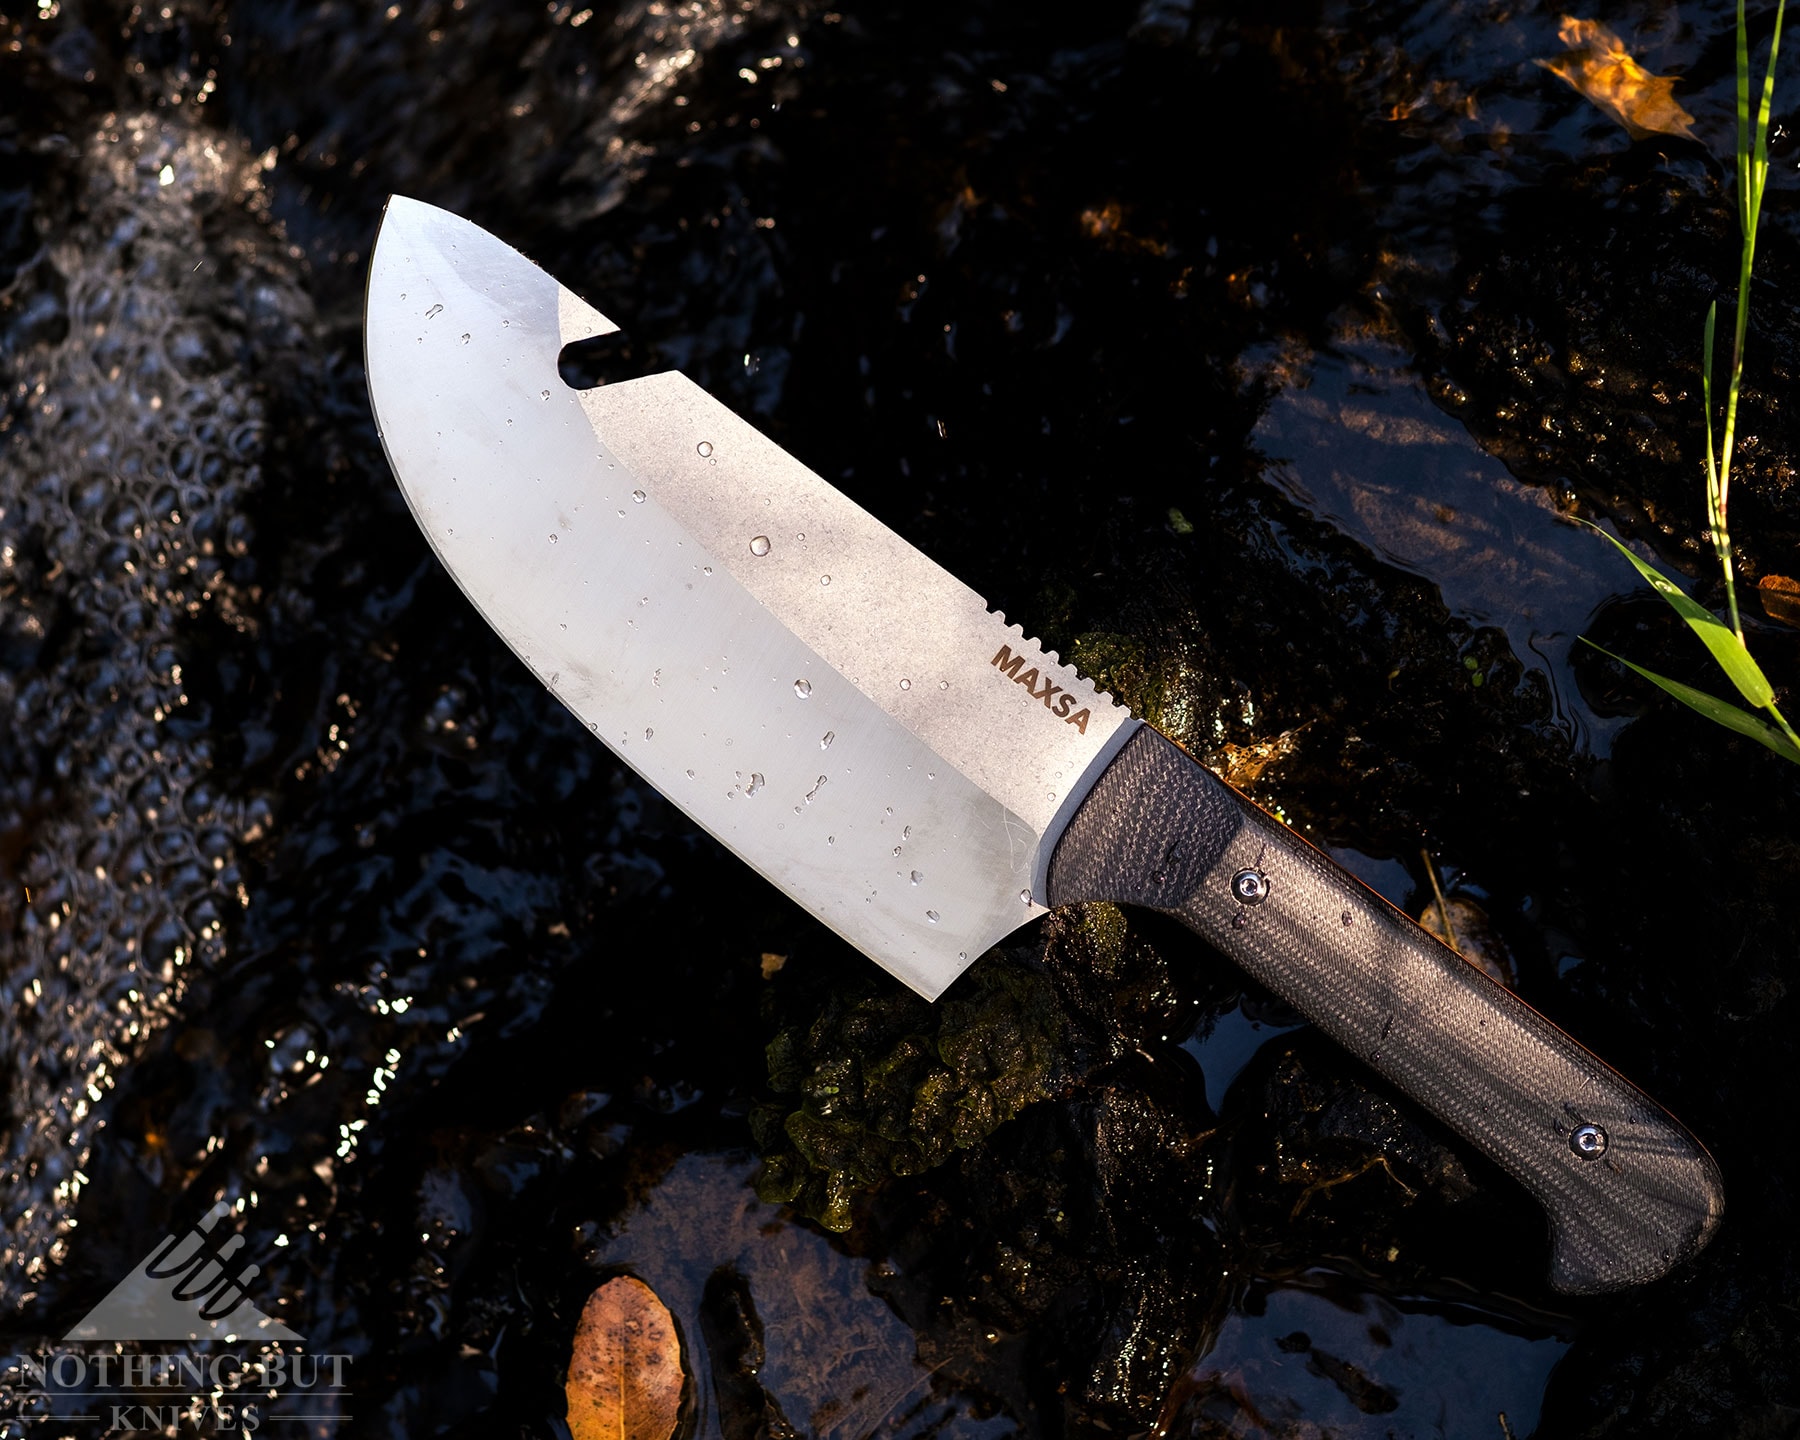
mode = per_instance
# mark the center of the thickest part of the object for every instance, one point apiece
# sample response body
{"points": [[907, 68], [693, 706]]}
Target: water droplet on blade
{"points": [[552, 539], [756, 783], [824, 579], [704, 448], [639, 496], [543, 394], [803, 688], [690, 774], [759, 545], [906, 684], [434, 311], [916, 877], [465, 337], [1025, 895], [943, 684], [932, 916], [826, 739], [906, 834], [649, 734]]}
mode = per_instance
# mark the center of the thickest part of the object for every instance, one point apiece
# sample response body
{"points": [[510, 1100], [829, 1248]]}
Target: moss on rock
{"points": [[881, 1083]]}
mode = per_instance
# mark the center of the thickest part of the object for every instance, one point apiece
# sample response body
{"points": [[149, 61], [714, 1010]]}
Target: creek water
{"points": [[1258, 357]]}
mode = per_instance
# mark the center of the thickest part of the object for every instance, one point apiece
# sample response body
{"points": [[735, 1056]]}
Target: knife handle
{"points": [[1628, 1190]]}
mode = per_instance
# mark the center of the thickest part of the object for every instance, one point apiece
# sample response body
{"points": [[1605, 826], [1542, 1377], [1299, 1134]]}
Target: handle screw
{"points": [[1588, 1141], [1250, 887]]}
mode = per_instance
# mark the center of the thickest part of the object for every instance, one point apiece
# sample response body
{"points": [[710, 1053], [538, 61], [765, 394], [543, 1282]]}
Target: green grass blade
{"points": [[1714, 521], [1706, 367], [1727, 650], [1720, 711], [1760, 139], [1743, 117]]}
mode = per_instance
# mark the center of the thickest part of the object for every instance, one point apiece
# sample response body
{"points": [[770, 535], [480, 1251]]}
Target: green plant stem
{"points": [[1781, 720], [1752, 178]]}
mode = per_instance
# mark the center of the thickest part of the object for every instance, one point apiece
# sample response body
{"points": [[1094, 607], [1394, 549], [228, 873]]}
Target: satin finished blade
{"points": [[834, 707]]}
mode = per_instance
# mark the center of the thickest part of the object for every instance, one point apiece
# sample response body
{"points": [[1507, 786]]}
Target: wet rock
{"points": [[129, 436]]}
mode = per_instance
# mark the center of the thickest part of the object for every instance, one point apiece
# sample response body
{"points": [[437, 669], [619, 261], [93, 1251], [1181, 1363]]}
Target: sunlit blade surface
{"points": [[809, 688]]}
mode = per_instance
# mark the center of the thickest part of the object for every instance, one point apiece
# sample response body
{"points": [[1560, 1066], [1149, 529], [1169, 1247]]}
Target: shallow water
{"points": [[1256, 354]]}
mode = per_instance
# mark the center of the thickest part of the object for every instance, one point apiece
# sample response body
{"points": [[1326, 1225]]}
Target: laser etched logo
{"points": [[1042, 688]]}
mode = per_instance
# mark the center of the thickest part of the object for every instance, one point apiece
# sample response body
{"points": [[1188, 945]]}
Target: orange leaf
{"points": [[1598, 65], [625, 1375], [1780, 598]]}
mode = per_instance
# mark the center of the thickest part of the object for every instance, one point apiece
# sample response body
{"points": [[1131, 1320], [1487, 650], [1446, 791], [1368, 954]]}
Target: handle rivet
{"points": [[1588, 1141], [1250, 887]]}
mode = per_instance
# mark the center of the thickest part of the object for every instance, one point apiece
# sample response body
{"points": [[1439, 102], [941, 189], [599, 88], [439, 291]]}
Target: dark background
{"points": [[1254, 355]]}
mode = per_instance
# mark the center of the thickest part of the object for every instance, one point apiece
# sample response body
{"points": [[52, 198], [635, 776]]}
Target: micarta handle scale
{"points": [[1629, 1192]]}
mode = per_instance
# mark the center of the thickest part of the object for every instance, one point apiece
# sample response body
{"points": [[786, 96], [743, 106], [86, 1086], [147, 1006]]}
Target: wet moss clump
{"points": [[1165, 684], [878, 1083]]}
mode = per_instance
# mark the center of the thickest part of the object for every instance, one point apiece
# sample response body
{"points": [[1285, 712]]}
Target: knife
{"points": [[854, 723]]}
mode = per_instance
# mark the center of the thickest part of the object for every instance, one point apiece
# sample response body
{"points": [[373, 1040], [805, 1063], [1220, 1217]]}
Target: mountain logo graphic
{"points": [[188, 1288]]}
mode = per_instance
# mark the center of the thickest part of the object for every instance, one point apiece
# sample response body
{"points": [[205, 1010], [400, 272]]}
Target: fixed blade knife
{"points": [[924, 778]]}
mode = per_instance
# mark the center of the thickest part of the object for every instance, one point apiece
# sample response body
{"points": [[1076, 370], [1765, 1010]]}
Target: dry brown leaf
{"points": [[1243, 765], [1599, 66], [1466, 929], [1780, 598], [837, 1360], [625, 1375]]}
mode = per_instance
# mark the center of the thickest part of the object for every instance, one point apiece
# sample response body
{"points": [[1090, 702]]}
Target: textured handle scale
{"points": [[1159, 830]]}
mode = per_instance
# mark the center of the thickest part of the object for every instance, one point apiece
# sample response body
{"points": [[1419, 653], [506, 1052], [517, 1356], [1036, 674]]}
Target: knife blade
{"points": [[920, 775]]}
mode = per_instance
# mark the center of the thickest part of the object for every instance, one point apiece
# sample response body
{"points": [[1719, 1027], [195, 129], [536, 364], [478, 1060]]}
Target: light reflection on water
{"points": [[1352, 438], [1317, 1356]]}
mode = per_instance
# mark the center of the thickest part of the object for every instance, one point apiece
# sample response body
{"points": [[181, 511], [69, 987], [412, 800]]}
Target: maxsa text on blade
{"points": [[1013, 667]]}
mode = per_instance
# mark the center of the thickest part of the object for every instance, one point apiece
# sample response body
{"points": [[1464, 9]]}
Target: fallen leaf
{"points": [[625, 1375], [837, 1360], [1468, 931], [1243, 765], [1780, 598], [1599, 66]]}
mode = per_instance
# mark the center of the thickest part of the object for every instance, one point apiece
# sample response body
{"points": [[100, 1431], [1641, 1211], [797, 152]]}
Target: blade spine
{"points": [[876, 523], [1069, 665]]}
